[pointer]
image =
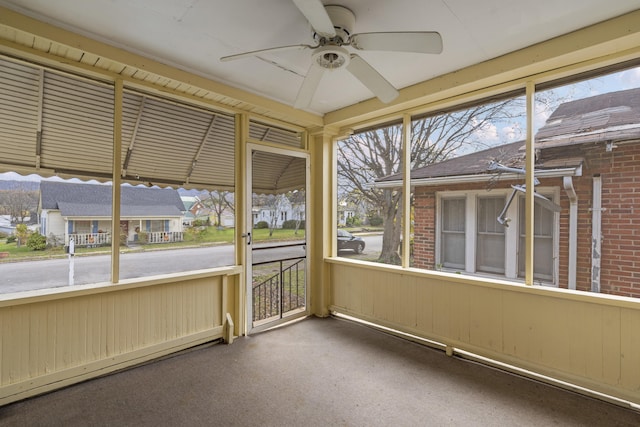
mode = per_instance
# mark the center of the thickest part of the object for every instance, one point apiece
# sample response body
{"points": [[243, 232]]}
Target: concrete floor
{"points": [[328, 372]]}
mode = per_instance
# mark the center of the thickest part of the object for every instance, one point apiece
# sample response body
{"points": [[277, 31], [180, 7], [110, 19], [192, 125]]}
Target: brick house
{"points": [[588, 165]]}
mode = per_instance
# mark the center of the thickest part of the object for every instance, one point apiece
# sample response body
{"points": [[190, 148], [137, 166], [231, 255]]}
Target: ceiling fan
{"points": [[332, 27]]}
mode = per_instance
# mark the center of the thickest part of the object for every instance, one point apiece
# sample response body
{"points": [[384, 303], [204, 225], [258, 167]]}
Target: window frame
{"points": [[444, 263], [512, 233], [483, 233], [555, 230]]}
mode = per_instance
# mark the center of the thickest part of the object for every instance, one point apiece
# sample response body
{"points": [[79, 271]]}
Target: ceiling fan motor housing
{"points": [[343, 21], [331, 55]]}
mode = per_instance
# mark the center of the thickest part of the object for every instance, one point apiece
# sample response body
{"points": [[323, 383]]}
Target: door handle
{"points": [[248, 236]]}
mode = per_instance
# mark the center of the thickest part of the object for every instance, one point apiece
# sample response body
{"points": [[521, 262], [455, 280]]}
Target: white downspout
{"points": [[567, 183], [596, 234]]}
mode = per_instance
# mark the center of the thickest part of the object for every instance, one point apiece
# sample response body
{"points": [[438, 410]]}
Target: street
{"points": [[52, 273]]}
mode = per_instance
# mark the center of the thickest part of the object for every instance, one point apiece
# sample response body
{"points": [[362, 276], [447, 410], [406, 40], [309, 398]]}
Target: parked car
{"points": [[347, 240]]}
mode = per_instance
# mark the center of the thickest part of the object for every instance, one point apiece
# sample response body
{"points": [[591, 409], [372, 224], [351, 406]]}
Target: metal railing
{"points": [[164, 236], [281, 292], [90, 239]]}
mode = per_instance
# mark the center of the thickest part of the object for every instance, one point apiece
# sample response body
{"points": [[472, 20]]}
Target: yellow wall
{"points": [[54, 340], [588, 340]]}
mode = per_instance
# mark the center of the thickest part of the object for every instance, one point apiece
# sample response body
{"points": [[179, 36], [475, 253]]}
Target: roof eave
{"points": [[467, 179]]}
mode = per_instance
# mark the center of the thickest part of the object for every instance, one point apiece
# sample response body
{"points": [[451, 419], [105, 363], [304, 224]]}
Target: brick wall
{"points": [[424, 229], [620, 174], [620, 253]]}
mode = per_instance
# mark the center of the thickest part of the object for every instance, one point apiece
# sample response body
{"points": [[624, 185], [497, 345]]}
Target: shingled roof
{"points": [[93, 200], [614, 116], [470, 164]]}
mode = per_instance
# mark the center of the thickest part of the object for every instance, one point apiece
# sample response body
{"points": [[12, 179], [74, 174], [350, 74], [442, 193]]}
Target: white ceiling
{"points": [[194, 34]]}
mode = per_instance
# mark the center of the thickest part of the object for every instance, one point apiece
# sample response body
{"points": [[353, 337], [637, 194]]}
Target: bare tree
{"points": [[297, 200], [218, 202], [19, 204], [274, 205], [367, 156], [277, 205]]}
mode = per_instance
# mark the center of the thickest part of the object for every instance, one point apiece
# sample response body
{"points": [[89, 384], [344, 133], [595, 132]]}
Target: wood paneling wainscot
{"points": [[584, 339], [69, 335]]}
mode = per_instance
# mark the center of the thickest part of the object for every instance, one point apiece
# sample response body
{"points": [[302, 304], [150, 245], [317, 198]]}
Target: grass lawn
{"points": [[362, 229], [204, 236], [24, 252], [13, 249], [227, 235], [262, 235]]}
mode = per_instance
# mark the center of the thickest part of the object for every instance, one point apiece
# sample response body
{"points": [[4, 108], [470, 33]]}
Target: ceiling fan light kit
{"points": [[332, 27], [331, 57]]}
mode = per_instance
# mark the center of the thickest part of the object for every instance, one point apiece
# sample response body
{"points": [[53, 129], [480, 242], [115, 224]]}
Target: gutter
{"points": [[596, 233], [567, 183], [467, 179]]}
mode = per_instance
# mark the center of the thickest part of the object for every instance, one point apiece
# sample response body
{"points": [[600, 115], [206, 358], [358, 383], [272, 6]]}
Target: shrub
{"points": [[37, 242], [143, 236], [290, 224], [12, 238], [375, 220], [262, 224], [53, 240], [353, 221], [22, 233], [196, 233]]}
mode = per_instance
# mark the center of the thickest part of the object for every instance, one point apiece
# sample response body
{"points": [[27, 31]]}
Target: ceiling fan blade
{"points": [[372, 79], [403, 41], [309, 86], [317, 16], [267, 50]]}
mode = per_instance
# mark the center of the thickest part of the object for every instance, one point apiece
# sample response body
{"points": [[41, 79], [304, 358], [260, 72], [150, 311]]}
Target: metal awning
{"points": [[58, 124]]}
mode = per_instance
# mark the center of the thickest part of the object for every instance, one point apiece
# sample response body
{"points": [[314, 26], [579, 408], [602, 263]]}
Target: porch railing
{"points": [[90, 239], [164, 236], [281, 292]]}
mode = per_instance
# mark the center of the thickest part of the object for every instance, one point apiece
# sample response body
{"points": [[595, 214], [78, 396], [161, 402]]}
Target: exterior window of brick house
{"points": [[543, 241], [470, 240], [490, 236], [453, 233]]}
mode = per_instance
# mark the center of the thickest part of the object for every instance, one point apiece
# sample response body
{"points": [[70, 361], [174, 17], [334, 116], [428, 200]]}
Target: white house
{"points": [[83, 212], [276, 210]]}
